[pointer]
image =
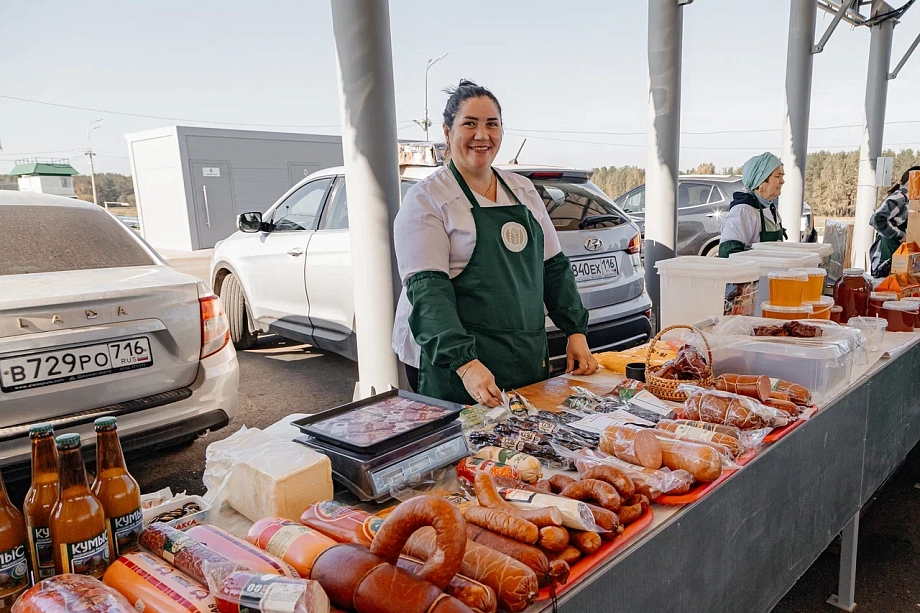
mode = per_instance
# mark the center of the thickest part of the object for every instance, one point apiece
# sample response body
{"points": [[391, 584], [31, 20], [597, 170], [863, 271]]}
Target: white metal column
{"points": [[799, 63], [665, 30], [873, 132], [368, 105]]}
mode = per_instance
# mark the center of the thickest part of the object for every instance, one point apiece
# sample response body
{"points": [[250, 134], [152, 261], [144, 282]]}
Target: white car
{"points": [[93, 322], [288, 271]]}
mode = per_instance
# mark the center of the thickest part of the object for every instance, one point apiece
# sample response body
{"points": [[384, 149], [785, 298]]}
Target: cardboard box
{"points": [[906, 259]]}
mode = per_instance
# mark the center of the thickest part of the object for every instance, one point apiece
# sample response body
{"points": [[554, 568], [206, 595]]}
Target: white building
{"points": [[191, 183], [45, 177]]}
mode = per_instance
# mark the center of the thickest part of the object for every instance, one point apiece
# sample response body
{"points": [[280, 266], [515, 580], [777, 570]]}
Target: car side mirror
{"points": [[249, 222]]}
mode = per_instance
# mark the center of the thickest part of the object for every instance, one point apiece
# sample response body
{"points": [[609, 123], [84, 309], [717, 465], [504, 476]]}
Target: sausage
{"points": [[570, 555], [514, 583], [786, 406], [632, 444], [448, 524], [238, 550], [154, 585], [182, 551], [529, 555], [478, 597], [560, 482], [468, 467], [340, 522], [527, 466], [617, 478], [724, 410], [489, 497], [235, 590], [542, 486], [701, 435], [731, 431], [752, 386], [592, 489], [297, 545], [70, 592], [553, 538], [503, 523], [701, 461], [586, 542], [605, 520], [354, 578], [781, 396], [636, 508], [797, 393]]}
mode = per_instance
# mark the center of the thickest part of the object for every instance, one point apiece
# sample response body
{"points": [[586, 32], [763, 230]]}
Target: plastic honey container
{"points": [[836, 313], [878, 299], [913, 300], [821, 308], [814, 288], [787, 288], [789, 313], [901, 315]]}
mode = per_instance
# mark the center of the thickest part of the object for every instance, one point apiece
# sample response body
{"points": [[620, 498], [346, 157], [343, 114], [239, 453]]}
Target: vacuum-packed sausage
{"points": [[753, 386], [238, 550], [182, 551], [448, 524], [701, 461], [68, 592], [340, 522], [502, 523], [155, 585], [632, 444], [701, 435], [797, 393], [294, 543]]}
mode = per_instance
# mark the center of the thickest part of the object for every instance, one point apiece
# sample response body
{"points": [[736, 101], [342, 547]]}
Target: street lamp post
{"points": [[89, 152], [426, 123]]}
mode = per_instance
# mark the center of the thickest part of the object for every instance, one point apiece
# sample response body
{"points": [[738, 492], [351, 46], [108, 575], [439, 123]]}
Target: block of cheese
{"points": [[261, 475]]}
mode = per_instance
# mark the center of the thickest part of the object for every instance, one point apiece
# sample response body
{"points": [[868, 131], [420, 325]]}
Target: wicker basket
{"points": [[666, 389]]}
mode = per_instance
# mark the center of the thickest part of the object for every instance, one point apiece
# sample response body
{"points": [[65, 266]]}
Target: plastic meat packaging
{"points": [[730, 409], [237, 590], [655, 482], [261, 475], [823, 365]]}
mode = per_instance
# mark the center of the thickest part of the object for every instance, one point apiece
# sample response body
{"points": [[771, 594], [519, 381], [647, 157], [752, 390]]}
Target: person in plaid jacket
{"points": [[890, 221]]}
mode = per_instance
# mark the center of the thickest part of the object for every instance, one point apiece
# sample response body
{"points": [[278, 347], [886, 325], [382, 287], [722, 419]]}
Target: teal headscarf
{"points": [[758, 169]]}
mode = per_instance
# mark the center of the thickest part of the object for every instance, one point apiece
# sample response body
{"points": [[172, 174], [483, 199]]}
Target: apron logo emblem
{"points": [[514, 235]]}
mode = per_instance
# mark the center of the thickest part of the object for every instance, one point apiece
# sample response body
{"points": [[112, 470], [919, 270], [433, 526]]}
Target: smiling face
{"points": [[476, 134], [770, 189]]}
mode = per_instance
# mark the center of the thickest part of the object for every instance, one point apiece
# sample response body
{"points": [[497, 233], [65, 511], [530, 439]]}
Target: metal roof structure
{"points": [[50, 167]]}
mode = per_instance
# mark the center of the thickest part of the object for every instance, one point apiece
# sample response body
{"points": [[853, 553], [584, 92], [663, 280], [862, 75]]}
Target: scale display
{"points": [[401, 472]]}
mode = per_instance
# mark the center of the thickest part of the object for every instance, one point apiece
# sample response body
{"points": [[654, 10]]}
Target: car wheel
{"points": [[712, 251], [231, 294]]}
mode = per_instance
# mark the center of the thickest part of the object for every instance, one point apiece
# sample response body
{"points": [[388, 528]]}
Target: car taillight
{"points": [[545, 175], [215, 327], [635, 245], [648, 314]]}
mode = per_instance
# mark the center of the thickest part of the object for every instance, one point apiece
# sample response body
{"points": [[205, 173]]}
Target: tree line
{"points": [[110, 187], [830, 178]]}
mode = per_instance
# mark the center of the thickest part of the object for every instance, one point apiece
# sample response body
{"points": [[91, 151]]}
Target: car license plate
{"points": [[51, 367], [596, 268]]}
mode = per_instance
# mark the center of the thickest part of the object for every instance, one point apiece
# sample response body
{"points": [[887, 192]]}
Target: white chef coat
{"points": [[742, 224], [434, 231]]}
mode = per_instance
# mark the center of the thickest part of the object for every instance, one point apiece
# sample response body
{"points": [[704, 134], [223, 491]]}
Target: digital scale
{"points": [[383, 442]]}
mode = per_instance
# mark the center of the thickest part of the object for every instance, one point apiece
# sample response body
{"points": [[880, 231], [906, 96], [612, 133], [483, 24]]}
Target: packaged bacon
{"points": [[468, 467]]}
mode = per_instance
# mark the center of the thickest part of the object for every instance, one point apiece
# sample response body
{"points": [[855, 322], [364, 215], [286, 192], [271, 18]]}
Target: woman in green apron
{"points": [[479, 259], [752, 215], [890, 221]]}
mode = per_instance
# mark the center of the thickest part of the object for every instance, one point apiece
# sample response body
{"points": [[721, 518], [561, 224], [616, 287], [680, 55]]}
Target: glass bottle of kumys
{"points": [[117, 490], [78, 535], [14, 561], [40, 499]]}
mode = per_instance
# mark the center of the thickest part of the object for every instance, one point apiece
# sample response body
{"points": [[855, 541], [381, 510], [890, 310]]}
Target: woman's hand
{"points": [[480, 383], [576, 350]]}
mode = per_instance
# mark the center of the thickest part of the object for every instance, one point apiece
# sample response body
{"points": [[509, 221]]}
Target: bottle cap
{"points": [[40, 430], [853, 272], [105, 423], [68, 441]]}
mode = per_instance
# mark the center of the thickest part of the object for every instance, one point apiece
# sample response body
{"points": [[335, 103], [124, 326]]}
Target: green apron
{"points": [[887, 247], [771, 236], [499, 300]]}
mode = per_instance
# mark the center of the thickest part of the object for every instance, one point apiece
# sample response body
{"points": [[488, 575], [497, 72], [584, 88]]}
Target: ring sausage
{"points": [[502, 523], [542, 486], [560, 482], [636, 508], [553, 538], [617, 478], [448, 524], [592, 489]]}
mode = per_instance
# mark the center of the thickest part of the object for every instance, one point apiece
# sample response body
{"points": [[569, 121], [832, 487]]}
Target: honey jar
{"points": [[901, 315], [787, 288]]}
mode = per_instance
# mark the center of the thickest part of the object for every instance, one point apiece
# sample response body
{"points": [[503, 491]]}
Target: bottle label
{"points": [[14, 575], [270, 594], [89, 557], [124, 530], [42, 551]]}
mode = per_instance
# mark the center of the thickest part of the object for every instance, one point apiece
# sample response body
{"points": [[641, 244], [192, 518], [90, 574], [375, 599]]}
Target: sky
{"points": [[571, 76]]}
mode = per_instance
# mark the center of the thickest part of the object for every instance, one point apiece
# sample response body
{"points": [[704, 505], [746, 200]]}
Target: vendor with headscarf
{"points": [[752, 215]]}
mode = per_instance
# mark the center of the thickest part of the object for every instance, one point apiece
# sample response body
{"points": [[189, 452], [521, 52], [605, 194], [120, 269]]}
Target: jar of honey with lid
{"points": [[901, 315], [852, 293]]}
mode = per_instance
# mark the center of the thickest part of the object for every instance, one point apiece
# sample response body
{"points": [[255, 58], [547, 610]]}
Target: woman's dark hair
{"points": [[904, 179], [464, 91]]}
